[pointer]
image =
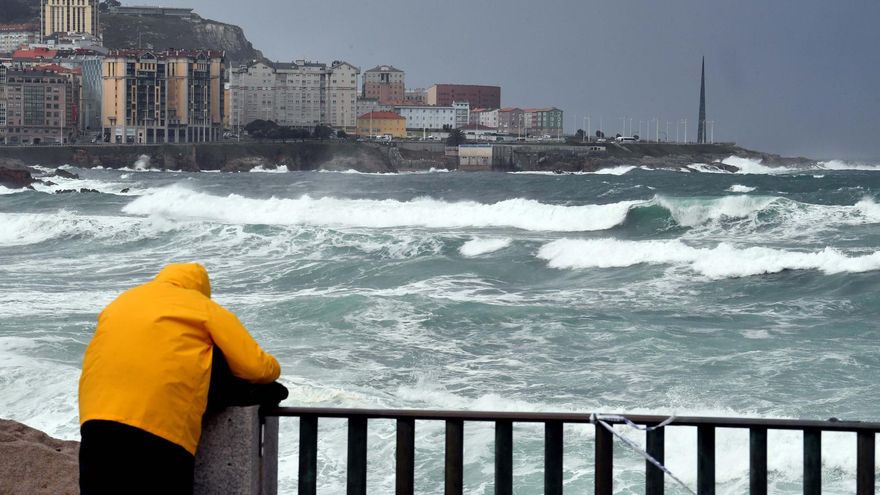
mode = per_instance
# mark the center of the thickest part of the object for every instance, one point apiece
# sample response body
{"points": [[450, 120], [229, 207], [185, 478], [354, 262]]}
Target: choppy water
{"points": [[630, 291]]}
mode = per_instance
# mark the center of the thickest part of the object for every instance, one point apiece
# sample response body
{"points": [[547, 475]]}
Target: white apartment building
{"points": [[298, 94], [489, 118], [433, 117]]}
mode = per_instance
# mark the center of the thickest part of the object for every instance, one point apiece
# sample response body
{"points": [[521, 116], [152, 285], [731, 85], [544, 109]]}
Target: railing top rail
{"points": [[531, 417]]}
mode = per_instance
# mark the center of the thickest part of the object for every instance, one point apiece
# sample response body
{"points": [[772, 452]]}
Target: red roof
{"points": [[58, 69], [382, 116], [35, 53], [18, 27]]}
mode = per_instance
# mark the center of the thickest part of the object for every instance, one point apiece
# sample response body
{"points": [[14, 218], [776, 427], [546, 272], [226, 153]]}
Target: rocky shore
{"points": [[34, 463], [340, 155]]}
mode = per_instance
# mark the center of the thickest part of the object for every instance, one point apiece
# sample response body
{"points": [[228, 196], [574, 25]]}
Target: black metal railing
{"points": [[553, 450]]}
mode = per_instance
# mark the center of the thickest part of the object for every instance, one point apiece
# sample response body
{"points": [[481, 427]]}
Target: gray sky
{"points": [[787, 76]]}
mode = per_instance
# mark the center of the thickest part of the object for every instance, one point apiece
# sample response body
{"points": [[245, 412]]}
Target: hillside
{"points": [[14, 11], [159, 33]]}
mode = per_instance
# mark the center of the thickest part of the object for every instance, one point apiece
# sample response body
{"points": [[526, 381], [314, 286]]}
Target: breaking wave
{"points": [[739, 188], [477, 247], [179, 203], [722, 261]]}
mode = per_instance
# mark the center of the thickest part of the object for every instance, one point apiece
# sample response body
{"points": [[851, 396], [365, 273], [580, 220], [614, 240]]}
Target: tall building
{"points": [[478, 96], [298, 94], [174, 96], [386, 84], [69, 16], [429, 117], [701, 121], [39, 105]]}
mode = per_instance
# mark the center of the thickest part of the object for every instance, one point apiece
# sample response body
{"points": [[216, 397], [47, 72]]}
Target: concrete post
{"points": [[231, 458]]}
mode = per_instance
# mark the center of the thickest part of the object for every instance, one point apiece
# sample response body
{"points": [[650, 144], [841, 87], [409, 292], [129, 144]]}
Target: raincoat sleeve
{"points": [[245, 357]]}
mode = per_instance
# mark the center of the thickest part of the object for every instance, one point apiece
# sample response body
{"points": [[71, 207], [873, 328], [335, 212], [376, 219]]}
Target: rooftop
{"points": [[381, 116]]}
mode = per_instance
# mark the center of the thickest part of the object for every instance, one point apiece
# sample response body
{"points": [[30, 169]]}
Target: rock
{"points": [[34, 463], [15, 178], [64, 174], [125, 190]]}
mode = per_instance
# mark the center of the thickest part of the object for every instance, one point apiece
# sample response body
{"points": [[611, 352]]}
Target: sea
{"points": [[628, 290]]}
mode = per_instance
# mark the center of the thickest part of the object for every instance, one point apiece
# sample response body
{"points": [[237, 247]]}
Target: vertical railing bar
{"points": [[655, 446], [604, 461], [758, 460], [865, 475], [706, 460], [308, 454], [454, 480], [553, 458], [405, 456], [357, 456], [503, 457], [269, 456], [812, 461]]}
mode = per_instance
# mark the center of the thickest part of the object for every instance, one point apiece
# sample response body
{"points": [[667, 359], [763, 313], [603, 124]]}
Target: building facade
{"points": [[174, 96], [543, 122], [298, 94], [381, 124], [12, 36], [39, 106], [477, 96], [511, 120], [417, 96], [69, 16], [386, 84], [428, 117]]}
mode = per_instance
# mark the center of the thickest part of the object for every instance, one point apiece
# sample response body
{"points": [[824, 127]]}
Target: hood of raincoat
{"points": [[191, 276]]}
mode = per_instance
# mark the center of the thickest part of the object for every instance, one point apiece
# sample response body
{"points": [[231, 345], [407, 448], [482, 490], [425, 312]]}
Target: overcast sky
{"points": [[787, 76]]}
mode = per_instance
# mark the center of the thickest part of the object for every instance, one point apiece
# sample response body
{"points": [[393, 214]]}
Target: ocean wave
{"points": [[842, 165], [180, 203], [722, 261], [477, 247], [5, 190], [22, 229], [281, 169], [739, 188]]}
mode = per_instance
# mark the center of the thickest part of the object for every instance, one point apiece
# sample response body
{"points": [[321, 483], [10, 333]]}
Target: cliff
{"points": [[160, 33]]}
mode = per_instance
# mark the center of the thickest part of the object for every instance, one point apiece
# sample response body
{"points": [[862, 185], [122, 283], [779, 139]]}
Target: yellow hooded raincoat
{"points": [[149, 362]]}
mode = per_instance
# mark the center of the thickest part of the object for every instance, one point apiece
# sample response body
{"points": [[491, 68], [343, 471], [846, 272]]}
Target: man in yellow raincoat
{"points": [[145, 381]]}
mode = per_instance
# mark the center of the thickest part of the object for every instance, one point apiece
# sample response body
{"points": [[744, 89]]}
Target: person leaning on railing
{"points": [[157, 351]]}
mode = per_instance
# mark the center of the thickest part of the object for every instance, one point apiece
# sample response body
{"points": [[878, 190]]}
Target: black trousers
{"points": [[115, 458]]}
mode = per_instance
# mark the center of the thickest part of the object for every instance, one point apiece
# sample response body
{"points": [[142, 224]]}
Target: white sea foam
{"points": [[281, 169], [142, 163], [841, 165], [739, 188], [722, 261], [4, 191], [477, 247], [62, 184], [180, 203], [757, 167], [21, 229], [621, 170]]}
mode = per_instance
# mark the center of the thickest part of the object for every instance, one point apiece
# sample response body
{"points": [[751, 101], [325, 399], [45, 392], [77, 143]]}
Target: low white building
{"points": [[433, 117]]}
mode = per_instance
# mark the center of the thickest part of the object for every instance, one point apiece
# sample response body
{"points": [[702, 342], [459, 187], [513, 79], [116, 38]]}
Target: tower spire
{"points": [[701, 127]]}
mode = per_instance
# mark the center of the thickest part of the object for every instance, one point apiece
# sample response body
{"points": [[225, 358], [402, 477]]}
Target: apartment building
{"points": [[484, 117], [38, 105], [298, 94], [69, 16], [386, 84], [420, 117], [175, 96], [12, 36], [478, 96], [542, 121]]}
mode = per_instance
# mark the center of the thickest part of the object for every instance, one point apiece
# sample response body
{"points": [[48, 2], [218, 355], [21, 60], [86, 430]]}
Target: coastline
{"points": [[340, 155]]}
